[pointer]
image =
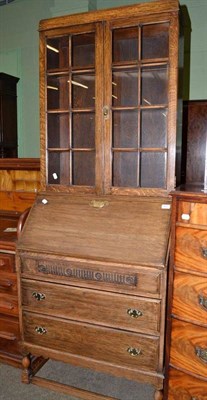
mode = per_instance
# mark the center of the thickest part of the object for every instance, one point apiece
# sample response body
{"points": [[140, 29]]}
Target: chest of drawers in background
{"points": [[9, 321], [188, 350], [19, 182]]}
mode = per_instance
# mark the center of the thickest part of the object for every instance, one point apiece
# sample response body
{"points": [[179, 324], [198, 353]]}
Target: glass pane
{"points": [[125, 129], [57, 52], [155, 41], [57, 92], [125, 169], [83, 130], [154, 128], [125, 44], [83, 50], [58, 130], [83, 91], [84, 168], [153, 170], [59, 168], [125, 88], [154, 85]]}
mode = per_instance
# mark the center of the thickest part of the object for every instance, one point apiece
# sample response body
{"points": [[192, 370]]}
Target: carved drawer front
{"points": [[98, 343], [190, 297], [9, 335], [186, 387], [192, 213], [189, 347], [8, 283], [127, 279], [7, 262], [191, 249], [118, 311], [8, 304]]}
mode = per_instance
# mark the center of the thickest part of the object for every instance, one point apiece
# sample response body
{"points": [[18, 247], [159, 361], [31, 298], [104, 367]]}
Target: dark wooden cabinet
{"points": [[195, 134], [8, 116], [93, 255]]}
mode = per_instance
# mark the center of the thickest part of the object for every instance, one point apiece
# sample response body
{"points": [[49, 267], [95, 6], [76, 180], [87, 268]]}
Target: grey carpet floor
{"points": [[11, 387]]}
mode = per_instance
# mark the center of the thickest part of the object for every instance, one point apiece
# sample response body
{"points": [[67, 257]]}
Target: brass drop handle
{"points": [[40, 330], [133, 351], [202, 301], [201, 353], [134, 313], [38, 296], [204, 251]]}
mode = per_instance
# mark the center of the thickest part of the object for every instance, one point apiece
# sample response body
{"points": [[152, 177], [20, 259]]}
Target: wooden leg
{"points": [[158, 395], [26, 364]]}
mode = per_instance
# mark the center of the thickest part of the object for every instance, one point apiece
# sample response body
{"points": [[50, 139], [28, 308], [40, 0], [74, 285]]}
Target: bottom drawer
{"points": [[95, 342], [9, 335], [189, 347], [185, 387]]}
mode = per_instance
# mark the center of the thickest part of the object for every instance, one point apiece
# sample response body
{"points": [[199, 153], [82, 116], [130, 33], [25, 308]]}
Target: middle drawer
{"points": [[190, 297], [119, 311]]}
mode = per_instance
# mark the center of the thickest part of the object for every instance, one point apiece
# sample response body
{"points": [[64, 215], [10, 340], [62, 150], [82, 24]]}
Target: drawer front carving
{"points": [[189, 347], [190, 297], [7, 262], [98, 343], [136, 280], [119, 311], [185, 387], [8, 304], [192, 213], [8, 283], [9, 335], [191, 249]]}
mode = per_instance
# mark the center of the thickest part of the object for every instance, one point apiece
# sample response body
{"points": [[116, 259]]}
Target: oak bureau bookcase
{"points": [[93, 254]]}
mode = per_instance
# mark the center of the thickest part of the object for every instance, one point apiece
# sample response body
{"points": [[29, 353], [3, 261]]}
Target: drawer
{"points": [[185, 387], [190, 297], [9, 335], [7, 262], [98, 307], [94, 342], [192, 213], [126, 279], [191, 249], [8, 283], [189, 347], [8, 304]]}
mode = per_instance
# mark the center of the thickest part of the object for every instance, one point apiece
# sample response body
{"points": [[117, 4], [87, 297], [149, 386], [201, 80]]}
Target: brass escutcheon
{"points": [[99, 203]]}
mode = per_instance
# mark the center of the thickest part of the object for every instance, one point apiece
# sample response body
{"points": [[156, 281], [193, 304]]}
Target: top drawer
{"points": [[192, 213], [7, 262], [110, 277]]}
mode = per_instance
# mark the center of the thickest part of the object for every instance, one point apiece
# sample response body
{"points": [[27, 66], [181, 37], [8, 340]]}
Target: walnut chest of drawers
{"points": [[92, 274], [9, 314], [188, 352]]}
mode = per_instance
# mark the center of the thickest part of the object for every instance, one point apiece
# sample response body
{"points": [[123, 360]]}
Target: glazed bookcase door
{"points": [[141, 105], [111, 102], [72, 95]]}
